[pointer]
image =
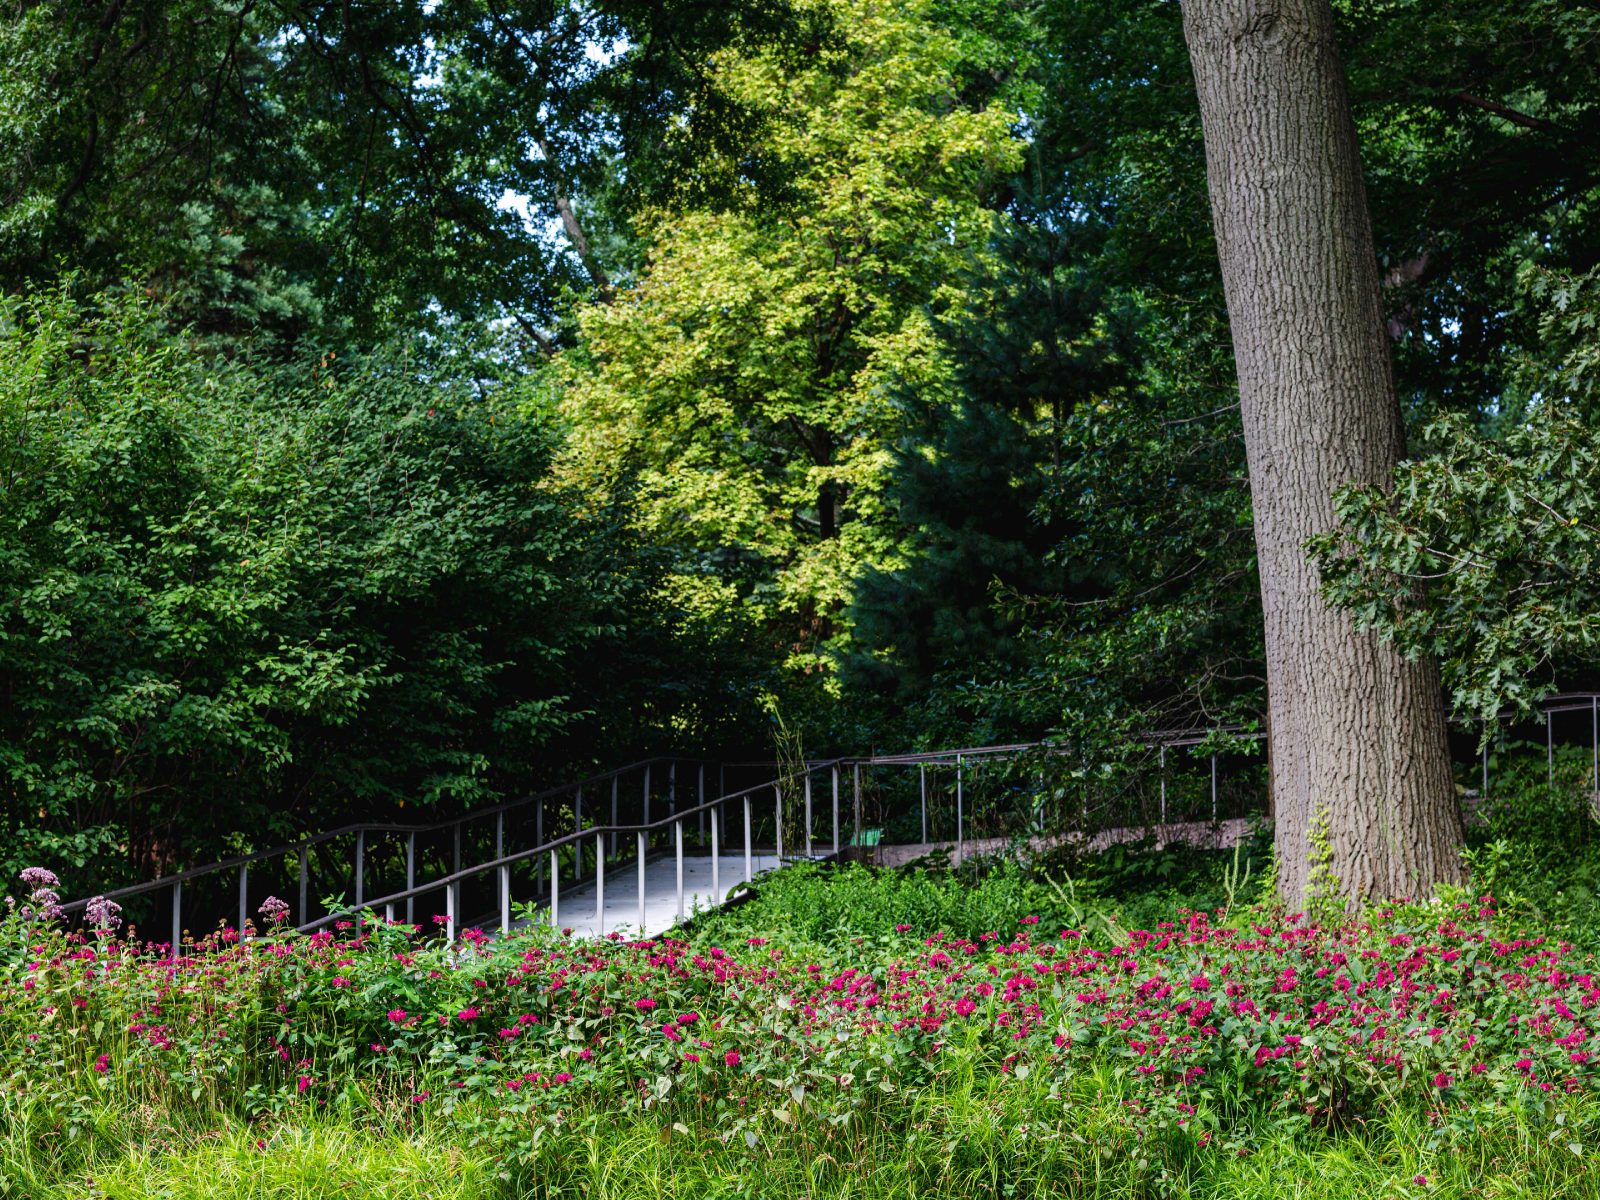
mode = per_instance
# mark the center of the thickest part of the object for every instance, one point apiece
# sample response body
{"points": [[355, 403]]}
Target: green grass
{"points": [[970, 1139]]}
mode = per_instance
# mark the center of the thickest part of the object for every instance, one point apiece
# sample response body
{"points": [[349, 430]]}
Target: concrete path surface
{"points": [[575, 907]]}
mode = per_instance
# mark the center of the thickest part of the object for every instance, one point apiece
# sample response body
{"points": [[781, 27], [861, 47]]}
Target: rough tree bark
{"points": [[1357, 734]]}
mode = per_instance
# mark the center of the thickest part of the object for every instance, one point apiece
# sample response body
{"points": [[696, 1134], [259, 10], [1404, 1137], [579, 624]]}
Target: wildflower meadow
{"points": [[1423, 1049]]}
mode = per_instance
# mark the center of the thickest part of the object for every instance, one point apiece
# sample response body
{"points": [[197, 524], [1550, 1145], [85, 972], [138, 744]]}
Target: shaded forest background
{"points": [[408, 404]]}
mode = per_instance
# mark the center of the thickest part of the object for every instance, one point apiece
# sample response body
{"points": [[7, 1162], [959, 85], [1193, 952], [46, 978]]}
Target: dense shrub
{"points": [[242, 597]]}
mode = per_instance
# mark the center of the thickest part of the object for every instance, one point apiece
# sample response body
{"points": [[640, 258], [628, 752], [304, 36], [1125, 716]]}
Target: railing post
{"points": [[808, 812], [500, 834], [642, 932], [505, 898], [361, 866], [677, 829], [835, 774], [555, 890], [777, 809], [456, 852], [1485, 790], [716, 863], [538, 840], [614, 779], [1163, 773], [388, 914], [700, 801], [304, 914], [411, 875], [960, 816], [858, 803], [1213, 789], [244, 896], [748, 872], [1550, 747], [451, 897], [177, 918], [672, 787], [922, 782], [577, 826], [646, 820], [599, 884]]}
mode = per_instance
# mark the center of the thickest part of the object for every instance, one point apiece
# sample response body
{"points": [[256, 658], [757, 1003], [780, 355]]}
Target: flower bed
{"points": [[1218, 1029]]}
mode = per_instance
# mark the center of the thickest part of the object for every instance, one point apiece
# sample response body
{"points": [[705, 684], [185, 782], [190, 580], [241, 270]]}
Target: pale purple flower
{"points": [[44, 902], [274, 910], [103, 915], [34, 878]]}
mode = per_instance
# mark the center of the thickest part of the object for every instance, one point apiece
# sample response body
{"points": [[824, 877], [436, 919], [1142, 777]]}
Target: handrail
{"points": [[555, 845], [306, 843], [1162, 739]]}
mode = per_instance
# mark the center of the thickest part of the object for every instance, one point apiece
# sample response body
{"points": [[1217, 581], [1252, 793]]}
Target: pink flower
{"points": [[305, 1082], [1441, 1080], [644, 1005], [396, 1015], [732, 1058], [467, 1014], [103, 1063]]}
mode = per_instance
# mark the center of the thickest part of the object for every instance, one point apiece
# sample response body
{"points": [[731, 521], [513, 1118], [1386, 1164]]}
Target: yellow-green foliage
{"points": [[746, 372]]}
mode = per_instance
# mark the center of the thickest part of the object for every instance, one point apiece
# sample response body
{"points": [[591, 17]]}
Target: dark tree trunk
{"points": [[1357, 734]]}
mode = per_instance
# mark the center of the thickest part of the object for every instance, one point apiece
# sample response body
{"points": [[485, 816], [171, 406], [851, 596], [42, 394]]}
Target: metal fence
{"points": [[475, 867]]}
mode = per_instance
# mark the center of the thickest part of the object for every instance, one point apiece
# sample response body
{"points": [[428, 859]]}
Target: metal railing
{"points": [[658, 780]]}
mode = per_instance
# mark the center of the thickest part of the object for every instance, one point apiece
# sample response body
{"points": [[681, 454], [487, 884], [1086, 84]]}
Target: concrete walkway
{"points": [[575, 908]]}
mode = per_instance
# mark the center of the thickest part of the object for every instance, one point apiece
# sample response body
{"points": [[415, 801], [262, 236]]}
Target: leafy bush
{"points": [[242, 597]]}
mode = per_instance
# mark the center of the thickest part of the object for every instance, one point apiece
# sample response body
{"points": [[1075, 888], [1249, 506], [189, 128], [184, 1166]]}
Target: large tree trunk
{"points": [[1357, 734]]}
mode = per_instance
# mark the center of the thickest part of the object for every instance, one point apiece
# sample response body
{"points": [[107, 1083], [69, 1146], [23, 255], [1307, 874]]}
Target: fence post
{"points": [[599, 884], [305, 914], [646, 820], [555, 889], [614, 780], [538, 840], [700, 802], [748, 874], [177, 918], [411, 873], [960, 825], [244, 896], [808, 812], [641, 885], [500, 834], [450, 914], [716, 864], [922, 773], [505, 899], [1213, 789], [361, 865], [777, 809], [1550, 748], [1163, 770], [577, 826], [455, 858], [835, 808], [677, 829], [858, 805]]}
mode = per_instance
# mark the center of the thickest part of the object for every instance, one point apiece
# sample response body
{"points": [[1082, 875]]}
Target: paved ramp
{"points": [[575, 905]]}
